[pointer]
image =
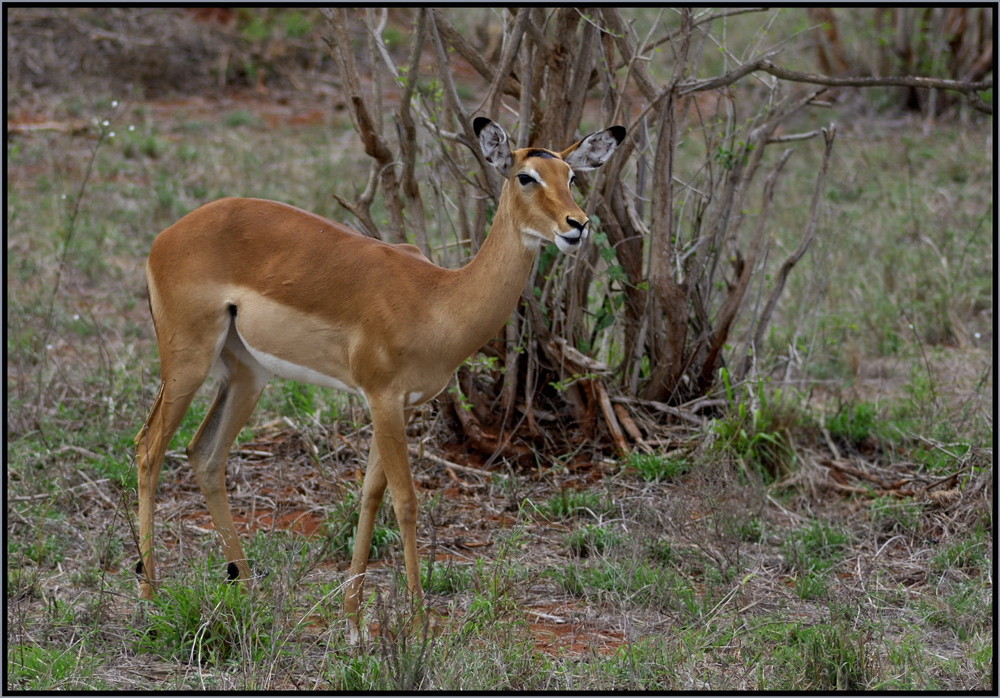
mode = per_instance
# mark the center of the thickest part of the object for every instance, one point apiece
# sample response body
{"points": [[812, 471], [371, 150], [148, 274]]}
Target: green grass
{"points": [[445, 578], [341, 527], [833, 657], [39, 669], [240, 117], [591, 539], [621, 584], [655, 468], [968, 553], [907, 227], [853, 423], [811, 552], [891, 516], [817, 546], [758, 429], [568, 504]]}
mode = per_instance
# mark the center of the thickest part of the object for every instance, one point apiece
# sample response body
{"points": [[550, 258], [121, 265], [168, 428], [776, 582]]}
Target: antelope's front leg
{"points": [[389, 423]]}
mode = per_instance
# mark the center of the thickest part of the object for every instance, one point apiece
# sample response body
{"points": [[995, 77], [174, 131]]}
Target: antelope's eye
{"points": [[525, 179]]}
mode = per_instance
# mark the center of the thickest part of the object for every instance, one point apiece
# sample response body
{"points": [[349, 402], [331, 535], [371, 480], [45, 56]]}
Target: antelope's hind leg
{"points": [[242, 384], [151, 443], [185, 362]]}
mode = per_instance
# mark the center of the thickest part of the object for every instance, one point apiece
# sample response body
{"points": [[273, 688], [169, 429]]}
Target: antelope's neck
{"points": [[487, 289]]}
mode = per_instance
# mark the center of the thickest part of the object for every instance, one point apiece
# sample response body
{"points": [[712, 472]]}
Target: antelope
{"points": [[247, 289]]}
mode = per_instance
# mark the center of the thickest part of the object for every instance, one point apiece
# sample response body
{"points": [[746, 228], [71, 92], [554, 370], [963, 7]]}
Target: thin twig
{"points": [[779, 284], [446, 463], [46, 495]]}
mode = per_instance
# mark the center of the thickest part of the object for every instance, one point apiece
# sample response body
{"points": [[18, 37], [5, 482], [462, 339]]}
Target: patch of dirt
{"points": [[555, 638], [149, 53]]}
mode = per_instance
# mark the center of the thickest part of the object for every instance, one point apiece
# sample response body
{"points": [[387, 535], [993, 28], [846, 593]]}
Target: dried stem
{"points": [[829, 134]]}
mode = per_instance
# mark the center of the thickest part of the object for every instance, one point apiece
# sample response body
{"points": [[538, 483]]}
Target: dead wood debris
{"points": [[903, 479]]}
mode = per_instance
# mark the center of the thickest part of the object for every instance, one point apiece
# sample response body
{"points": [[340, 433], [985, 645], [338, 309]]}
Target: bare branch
{"points": [[631, 64], [618, 31], [792, 137], [538, 36], [888, 81], [763, 63], [977, 103], [386, 158], [462, 46], [779, 284], [368, 128], [507, 60], [524, 115], [727, 13], [968, 89], [730, 77], [727, 313], [408, 135], [509, 84], [490, 178]]}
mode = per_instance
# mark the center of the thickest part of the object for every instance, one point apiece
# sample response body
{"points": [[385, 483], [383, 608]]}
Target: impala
{"points": [[247, 289]]}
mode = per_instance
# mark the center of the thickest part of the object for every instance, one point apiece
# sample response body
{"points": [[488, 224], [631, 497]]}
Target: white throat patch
{"points": [[532, 239]]}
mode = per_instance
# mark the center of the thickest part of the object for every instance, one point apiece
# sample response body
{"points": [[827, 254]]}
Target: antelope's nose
{"points": [[580, 228]]}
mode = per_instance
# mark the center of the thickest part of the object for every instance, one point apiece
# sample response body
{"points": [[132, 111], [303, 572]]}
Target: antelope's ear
{"points": [[493, 141], [594, 150]]}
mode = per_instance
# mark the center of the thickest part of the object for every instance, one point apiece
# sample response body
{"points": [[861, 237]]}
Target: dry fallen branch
{"points": [[423, 453], [611, 419], [686, 415], [902, 480]]}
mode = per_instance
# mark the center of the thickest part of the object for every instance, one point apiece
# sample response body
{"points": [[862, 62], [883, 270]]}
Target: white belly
{"points": [[287, 369]]}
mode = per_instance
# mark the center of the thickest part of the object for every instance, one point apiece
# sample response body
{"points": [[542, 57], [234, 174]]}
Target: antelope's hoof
{"points": [[233, 570]]}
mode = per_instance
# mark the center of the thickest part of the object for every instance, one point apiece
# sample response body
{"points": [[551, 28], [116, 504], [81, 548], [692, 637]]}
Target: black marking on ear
{"points": [[479, 123], [234, 571], [232, 309], [535, 153], [493, 143], [594, 150], [139, 569]]}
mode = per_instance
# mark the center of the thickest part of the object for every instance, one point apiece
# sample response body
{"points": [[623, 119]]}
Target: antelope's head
{"points": [[539, 201]]}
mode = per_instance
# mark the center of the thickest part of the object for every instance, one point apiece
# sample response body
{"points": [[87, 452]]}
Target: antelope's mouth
{"points": [[570, 242]]}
